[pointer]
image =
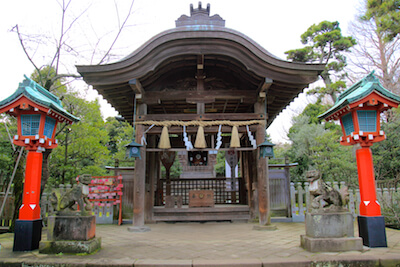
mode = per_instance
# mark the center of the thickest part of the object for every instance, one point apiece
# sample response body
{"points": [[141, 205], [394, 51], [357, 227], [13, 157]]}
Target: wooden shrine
{"points": [[200, 79]]}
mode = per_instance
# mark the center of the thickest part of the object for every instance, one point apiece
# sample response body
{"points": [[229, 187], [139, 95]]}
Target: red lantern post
{"points": [[358, 110], [38, 112]]}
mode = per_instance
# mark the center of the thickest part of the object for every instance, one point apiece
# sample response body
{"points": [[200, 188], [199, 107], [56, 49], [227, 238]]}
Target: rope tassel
{"points": [[164, 139], [235, 141], [200, 139]]}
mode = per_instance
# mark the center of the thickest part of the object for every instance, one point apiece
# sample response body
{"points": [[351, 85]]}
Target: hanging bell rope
{"points": [[235, 140], [164, 139], [200, 139]]}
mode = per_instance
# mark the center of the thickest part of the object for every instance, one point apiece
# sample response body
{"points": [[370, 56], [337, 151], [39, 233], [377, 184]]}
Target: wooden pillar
{"points": [[139, 181], [262, 173], [246, 163], [151, 174], [242, 181], [254, 188]]}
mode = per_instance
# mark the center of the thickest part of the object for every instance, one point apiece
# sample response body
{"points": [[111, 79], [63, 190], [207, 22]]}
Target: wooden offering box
{"points": [[201, 198]]}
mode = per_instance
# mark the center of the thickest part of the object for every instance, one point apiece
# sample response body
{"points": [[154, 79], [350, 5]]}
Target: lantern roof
{"points": [[40, 96], [266, 143], [358, 91]]}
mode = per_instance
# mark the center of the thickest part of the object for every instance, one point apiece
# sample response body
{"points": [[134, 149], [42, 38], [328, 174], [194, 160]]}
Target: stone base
{"points": [[269, 227], [70, 246], [78, 228], [331, 244], [139, 229], [27, 235], [330, 232], [332, 224], [372, 230]]}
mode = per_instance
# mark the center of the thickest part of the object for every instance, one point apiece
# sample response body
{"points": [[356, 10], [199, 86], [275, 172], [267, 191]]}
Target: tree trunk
{"points": [[328, 83]]}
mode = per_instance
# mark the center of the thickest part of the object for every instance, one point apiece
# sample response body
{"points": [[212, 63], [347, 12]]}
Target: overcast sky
{"points": [[275, 25]]}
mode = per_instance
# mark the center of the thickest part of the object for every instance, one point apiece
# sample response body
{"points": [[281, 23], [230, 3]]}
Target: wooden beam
{"points": [[153, 98], [204, 117], [136, 86], [205, 149], [266, 85], [193, 129]]}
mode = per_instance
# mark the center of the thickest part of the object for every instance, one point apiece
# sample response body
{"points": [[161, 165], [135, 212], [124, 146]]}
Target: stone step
{"points": [[217, 213]]}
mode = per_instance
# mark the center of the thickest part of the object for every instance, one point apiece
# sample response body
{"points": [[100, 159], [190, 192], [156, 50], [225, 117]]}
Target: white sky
{"points": [[275, 25]]}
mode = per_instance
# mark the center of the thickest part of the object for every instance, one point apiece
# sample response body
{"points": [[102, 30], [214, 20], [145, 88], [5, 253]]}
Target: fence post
{"points": [[293, 200], [62, 188], [300, 208], [44, 207], [358, 201], [342, 185], [336, 185], [385, 197], [352, 208], [308, 196]]}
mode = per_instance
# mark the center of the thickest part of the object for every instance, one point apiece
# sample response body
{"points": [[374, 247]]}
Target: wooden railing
{"points": [[6, 217], [222, 187], [299, 196]]}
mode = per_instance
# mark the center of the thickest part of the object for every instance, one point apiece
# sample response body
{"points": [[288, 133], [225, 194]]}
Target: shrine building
{"points": [[191, 92]]}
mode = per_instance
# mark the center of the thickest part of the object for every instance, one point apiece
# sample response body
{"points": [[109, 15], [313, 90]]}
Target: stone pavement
{"points": [[204, 244]]}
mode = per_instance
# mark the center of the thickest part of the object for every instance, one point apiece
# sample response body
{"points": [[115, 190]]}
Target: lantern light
{"points": [[133, 148], [358, 109], [37, 111], [266, 149]]}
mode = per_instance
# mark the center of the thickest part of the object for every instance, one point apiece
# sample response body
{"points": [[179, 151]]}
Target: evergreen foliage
{"points": [[386, 14], [325, 44], [387, 153]]}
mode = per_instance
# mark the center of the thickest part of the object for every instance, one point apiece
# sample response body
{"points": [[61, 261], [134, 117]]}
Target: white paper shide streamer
{"points": [[188, 144], [251, 138], [219, 138]]}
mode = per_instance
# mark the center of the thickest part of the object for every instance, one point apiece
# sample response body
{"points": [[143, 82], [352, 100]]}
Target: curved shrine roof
{"points": [[233, 70]]}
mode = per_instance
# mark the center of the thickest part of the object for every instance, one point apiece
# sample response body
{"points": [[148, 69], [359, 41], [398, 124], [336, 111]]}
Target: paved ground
{"points": [[204, 244]]}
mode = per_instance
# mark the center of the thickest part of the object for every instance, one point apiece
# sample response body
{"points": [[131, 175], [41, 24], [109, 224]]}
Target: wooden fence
{"points": [[6, 217], [301, 200], [299, 197], [222, 187]]}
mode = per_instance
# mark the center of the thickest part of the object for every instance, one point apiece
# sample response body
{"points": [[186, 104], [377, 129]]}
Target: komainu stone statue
{"points": [[64, 203], [324, 197]]}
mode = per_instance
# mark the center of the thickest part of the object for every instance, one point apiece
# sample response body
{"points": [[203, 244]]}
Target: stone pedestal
{"points": [[372, 231], [27, 235], [70, 234], [330, 232]]}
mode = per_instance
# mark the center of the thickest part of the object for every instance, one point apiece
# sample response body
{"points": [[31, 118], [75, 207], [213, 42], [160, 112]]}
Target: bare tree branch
{"points": [[16, 28], [374, 53], [119, 32]]}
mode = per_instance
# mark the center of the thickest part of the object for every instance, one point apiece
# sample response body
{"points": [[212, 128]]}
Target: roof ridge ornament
{"points": [[199, 10], [200, 16]]}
